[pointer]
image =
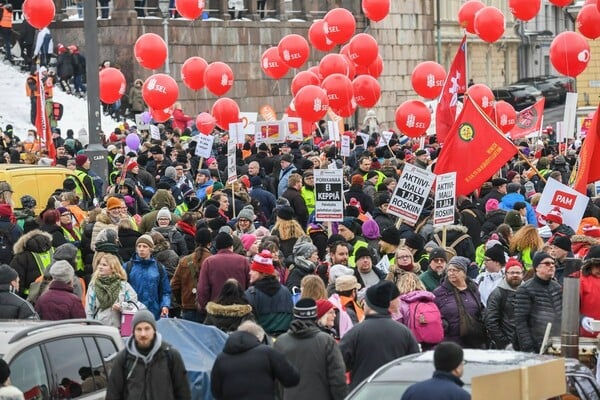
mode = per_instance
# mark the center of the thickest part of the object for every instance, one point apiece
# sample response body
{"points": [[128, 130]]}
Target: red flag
{"points": [[42, 123], [456, 83], [473, 134], [588, 170], [529, 120]]}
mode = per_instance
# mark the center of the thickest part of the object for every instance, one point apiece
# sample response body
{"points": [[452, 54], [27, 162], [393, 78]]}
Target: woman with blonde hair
{"points": [[108, 290], [404, 263], [312, 286], [525, 242], [287, 229]]}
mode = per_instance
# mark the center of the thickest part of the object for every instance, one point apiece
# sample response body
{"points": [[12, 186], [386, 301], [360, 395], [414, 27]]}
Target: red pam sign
{"points": [[564, 200]]}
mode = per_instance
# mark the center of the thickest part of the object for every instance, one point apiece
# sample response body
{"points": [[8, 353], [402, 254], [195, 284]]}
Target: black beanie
{"points": [[414, 241], [305, 309], [203, 237], [539, 257], [447, 356], [223, 241], [391, 235], [496, 253], [7, 275], [380, 295]]}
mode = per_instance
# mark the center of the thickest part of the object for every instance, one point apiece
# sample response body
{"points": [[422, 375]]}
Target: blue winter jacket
{"points": [[509, 200], [151, 285], [443, 386]]}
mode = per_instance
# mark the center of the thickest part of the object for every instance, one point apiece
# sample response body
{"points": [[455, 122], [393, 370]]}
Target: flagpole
{"points": [[531, 165]]}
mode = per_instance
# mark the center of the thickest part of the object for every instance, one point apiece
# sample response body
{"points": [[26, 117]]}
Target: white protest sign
{"points": [[572, 204], [247, 120], [204, 144], [411, 193], [384, 264], [334, 130], [294, 129], [365, 138], [329, 186], [139, 123], [570, 114], [154, 132], [384, 139], [231, 162], [345, 149], [236, 131], [270, 131], [445, 192]]}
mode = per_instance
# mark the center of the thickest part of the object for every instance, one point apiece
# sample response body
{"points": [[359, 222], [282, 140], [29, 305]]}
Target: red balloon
{"points": [[334, 64], [482, 96], [366, 91], [308, 127], [225, 111], [311, 103], [413, 118], [150, 51], [192, 72], [112, 85], [376, 10], [160, 91], [345, 51], [376, 68], [569, 53], [218, 78], [39, 13], [561, 3], [293, 50], [428, 78], [504, 115], [489, 24], [524, 9], [339, 90], [363, 49], [316, 70], [340, 25], [588, 21], [272, 65], [190, 9], [466, 14], [161, 115], [205, 123], [317, 37], [346, 111], [302, 79]]}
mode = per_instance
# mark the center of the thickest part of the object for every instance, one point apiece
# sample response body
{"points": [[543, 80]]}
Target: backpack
{"points": [[57, 111], [39, 286], [424, 320], [6, 247]]}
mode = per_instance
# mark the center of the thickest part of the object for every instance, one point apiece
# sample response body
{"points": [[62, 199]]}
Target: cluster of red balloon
{"points": [[39, 13], [486, 22]]}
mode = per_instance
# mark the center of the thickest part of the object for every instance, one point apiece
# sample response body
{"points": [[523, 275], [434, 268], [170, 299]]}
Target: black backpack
{"points": [[6, 247]]}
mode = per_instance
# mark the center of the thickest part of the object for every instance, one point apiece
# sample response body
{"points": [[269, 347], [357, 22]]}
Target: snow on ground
{"points": [[15, 106]]}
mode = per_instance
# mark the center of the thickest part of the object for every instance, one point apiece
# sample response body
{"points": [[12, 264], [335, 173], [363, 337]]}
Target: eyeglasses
{"points": [[548, 263], [438, 260], [453, 271], [404, 257], [65, 215], [164, 219]]}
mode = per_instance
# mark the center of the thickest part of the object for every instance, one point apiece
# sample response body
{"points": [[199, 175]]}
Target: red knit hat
{"points": [[591, 230], [263, 263], [81, 159], [555, 216], [512, 262], [323, 306], [131, 165]]}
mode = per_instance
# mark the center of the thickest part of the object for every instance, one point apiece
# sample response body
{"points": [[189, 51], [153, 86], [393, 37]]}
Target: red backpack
{"points": [[424, 320]]}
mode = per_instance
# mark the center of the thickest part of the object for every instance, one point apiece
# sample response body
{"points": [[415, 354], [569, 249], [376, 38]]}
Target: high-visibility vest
{"points": [[78, 258], [80, 189], [7, 19], [43, 261]]}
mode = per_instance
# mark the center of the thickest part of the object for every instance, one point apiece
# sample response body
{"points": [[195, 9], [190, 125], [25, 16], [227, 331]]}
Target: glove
{"points": [[586, 323]]}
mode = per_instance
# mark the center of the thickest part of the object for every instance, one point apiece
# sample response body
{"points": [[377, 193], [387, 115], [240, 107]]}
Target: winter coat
{"points": [[430, 279], [64, 66], [58, 236], [180, 120], [493, 194], [499, 316], [136, 99], [108, 316], [159, 375], [487, 282], [446, 301], [127, 238], [298, 204], [151, 285], [373, 343], [271, 304], [383, 220], [59, 302], [536, 303], [247, 369], [266, 200], [357, 192], [175, 238], [317, 357], [493, 220], [589, 295], [189, 236], [463, 248], [509, 200], [580, 244], [14, 307], [443, 386], [23, 261], [185, 280], [472, 218], [227, 317], [301, 268], [215, 270]]}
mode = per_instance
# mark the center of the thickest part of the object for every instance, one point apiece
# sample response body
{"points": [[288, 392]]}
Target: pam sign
{"points": [[411, 193], [572, 204], [329, 185]]}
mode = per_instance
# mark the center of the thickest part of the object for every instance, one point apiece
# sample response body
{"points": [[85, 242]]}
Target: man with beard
{"points": [[147, 367], [499, 315], [437, 266]]}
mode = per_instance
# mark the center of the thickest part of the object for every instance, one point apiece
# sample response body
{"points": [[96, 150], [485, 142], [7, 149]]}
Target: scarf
{"points": [[107, 290], [186, 228]]}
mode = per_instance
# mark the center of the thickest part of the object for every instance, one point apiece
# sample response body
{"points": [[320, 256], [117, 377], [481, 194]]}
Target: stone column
{"points": [[123, 11]]}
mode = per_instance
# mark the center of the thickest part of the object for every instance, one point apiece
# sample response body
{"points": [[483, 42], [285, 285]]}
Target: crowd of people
{"points": [[167, 233]]}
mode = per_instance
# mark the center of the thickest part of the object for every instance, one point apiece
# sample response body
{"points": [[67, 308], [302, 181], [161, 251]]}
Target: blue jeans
{"points": [[78, 83]]}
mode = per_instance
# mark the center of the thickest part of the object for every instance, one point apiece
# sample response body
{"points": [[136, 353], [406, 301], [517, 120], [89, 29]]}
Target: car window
{"points": [[94, 378], [67, 358], [28, 373]]}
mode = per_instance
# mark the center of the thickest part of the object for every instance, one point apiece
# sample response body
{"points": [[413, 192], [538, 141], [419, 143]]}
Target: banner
{"points": [[445, 195], [294, 129], [572, 204], [456, 83], [411, 193], [42, 123], [231, 161], [204, 144], [475, 148], [588, 170], [271, 131], [529, 120], [329, 186]]}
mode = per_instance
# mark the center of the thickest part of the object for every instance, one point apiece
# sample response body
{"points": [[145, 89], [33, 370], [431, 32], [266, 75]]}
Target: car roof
{"points": [[419, 367]]}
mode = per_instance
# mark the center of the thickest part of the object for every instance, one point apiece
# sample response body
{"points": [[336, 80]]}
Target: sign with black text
{"points": [[231, 162], [411, 193], [329, 186], [204, 144], [445, 192]]}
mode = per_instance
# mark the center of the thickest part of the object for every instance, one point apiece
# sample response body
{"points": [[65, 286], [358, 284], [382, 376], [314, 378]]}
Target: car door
{"points": [[28, 372]]}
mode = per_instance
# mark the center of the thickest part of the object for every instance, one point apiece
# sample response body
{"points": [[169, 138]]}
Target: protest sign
{"points": [[411, 193], [139, 123], [236, 131], [329, 186], [204, 145], [334, 131], [154, 132], [445, 191], [345, 149], [270, 131], [231, 162], [571, 203], [294, 129]]}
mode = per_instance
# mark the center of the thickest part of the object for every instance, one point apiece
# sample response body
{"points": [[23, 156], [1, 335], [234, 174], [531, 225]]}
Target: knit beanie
{"points": [[286, 213], [81, 159], [447, 356], [113, 202], [370, 229], [538, 257], [591, 230], [496, 253], [555, 216], [223, 241], [263, 263], [305, 309], [211, 211], [62, 271], [391, 235], [163, 213], [561, 241], [143, 316], [146, 239], [460, 263], [491, 205], [304, 247], [247, 213], [514, 220], [7, 275], [323, 306], [512, 262], [379, 296], [362, 252], [438, 252], [248, 239], [67, 252]]}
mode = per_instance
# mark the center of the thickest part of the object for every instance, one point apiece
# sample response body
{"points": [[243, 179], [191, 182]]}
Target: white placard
{"points": [[384, 264], [248, 119], [572, 204], [231, 162], [560, 131], [334, 130], [345, 149], [329, 187], [236, 131], [570, 114], [141, 126], [204, 144], [271, 131], [365, 138], [445, 193], [294, 129], [411, 193], [154, 132]]}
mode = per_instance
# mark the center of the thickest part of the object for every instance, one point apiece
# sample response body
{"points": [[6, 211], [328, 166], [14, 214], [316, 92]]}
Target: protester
{"points": [[59, 301], [11, 305], [230, 309]]}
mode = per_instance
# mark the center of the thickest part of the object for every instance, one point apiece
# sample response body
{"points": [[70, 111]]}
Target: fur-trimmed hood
{"points": [[451, 228], [584, 240], [234, 310], [36, 241]]}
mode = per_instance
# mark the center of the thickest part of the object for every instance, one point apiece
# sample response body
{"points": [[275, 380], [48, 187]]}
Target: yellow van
{"points": [[35, 180]]}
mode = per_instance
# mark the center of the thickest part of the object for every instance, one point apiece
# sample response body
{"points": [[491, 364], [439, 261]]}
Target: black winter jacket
{"points": [[23, 262], [14, 307], [537, 302], [499, 316]]}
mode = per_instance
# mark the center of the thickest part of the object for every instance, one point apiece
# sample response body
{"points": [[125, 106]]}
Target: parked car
{"points": [[563, 84], [59, 359], [519, 96], [390, 381], [551, 91]]}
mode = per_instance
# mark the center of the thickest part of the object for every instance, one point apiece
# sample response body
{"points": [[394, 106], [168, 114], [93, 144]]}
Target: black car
{"points": [[561, 84], [519, 96], [390, 381]]}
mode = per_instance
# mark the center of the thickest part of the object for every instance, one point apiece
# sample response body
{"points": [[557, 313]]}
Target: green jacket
{"points": [[430, 279]]}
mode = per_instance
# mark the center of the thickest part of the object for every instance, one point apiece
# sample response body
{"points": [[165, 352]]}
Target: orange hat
{"points": [[113, 202]]}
